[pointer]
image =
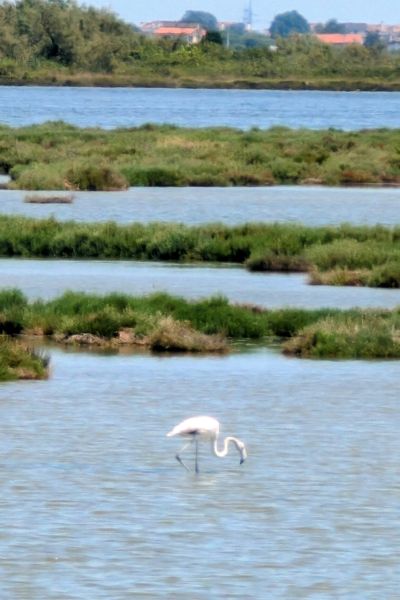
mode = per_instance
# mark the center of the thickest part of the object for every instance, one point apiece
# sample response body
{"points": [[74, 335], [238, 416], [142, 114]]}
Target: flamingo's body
{"points": [[204, 428]]}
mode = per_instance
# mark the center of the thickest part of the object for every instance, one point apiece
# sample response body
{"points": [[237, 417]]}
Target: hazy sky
{"points": [[137, 11]]}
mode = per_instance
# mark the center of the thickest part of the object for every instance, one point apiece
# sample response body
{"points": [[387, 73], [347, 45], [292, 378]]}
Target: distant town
{"points": [[195, 26]]}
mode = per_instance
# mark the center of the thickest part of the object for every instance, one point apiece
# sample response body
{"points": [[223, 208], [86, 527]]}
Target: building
{"points": [[340, 39], [192, 33]]}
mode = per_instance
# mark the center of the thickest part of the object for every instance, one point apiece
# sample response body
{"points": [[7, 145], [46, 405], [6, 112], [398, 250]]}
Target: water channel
{"points": [[313, 206], [129, 107], [50, 278]]}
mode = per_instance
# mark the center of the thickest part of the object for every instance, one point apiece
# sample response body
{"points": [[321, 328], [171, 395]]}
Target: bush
{"points": [[385, 276], [153, 177], [93, 177], [350, 336], [17, 361]]}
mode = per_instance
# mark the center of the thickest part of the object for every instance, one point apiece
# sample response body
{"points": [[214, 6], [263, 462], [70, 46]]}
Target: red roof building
{"points": [[189, 32], [340, 39]]}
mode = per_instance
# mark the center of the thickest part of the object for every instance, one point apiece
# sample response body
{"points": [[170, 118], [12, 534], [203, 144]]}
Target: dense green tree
{"points": [[63, 32], [207, 20], [374, 41], [214, 37], [287, 23], [59, 41], [331, 26]]}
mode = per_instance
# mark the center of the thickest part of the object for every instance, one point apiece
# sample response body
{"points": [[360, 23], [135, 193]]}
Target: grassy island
{"points": [[166, 323], [55, 156], [335, 255]]}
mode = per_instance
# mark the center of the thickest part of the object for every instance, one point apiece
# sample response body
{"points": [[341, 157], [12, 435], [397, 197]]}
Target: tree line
{"points": [[61, 36]]}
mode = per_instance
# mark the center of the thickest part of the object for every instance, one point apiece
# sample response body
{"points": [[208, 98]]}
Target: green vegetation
{"points": [[359, 334], [17, 361], [57, 156], [288, 23], [342, 255], [58, 42], [162, 322]]}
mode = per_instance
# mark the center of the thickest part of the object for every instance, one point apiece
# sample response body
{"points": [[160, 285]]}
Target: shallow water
{"points": [[127, 107], [311, 205], [94, 504], [50, 278]]}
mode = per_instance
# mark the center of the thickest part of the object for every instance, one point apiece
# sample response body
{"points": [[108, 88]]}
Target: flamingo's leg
{"points": [[196, 464], [177, 456]]}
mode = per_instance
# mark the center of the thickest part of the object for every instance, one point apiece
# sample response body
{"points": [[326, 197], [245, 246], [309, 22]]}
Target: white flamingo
{"points": [[198, 429]]}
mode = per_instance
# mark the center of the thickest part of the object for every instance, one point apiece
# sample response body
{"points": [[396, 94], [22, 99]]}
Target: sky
{"points": [[137, 11]]}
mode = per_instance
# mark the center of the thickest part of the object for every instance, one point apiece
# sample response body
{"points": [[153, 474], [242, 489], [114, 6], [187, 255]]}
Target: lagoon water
{"points": [[130, 107], [94, 504], [297, 204], [50, 278]]}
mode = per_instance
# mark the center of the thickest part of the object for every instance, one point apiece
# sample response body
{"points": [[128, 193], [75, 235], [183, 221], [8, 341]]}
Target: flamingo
{"points": [[203, 428]]}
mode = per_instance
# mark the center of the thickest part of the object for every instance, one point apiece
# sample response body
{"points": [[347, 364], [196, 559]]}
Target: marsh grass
{"points": [[365, 334], [55, 156], [343, 255], [179, 336], [18, 361], [167, 323]]}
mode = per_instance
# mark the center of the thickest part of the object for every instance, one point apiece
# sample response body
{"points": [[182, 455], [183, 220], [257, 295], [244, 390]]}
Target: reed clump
{"points": [[18, 361], [179, 336], [366, 334]]}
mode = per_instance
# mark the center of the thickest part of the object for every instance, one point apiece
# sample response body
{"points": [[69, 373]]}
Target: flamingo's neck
{"points": [[224, 451]]}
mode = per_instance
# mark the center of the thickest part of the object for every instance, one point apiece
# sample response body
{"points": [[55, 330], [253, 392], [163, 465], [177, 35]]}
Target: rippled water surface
{"points": [[49, 278], [310, 205], [94, 504], [127, 107]]}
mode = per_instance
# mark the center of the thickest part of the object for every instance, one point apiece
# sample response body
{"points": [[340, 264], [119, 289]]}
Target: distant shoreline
{"points": [[104, 80]]}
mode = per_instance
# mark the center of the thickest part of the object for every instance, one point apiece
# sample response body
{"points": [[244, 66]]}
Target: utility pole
{"points": [[248, 16]]}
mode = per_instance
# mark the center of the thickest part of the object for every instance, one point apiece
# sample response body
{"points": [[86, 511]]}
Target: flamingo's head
{"points": [[242, 452]]}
